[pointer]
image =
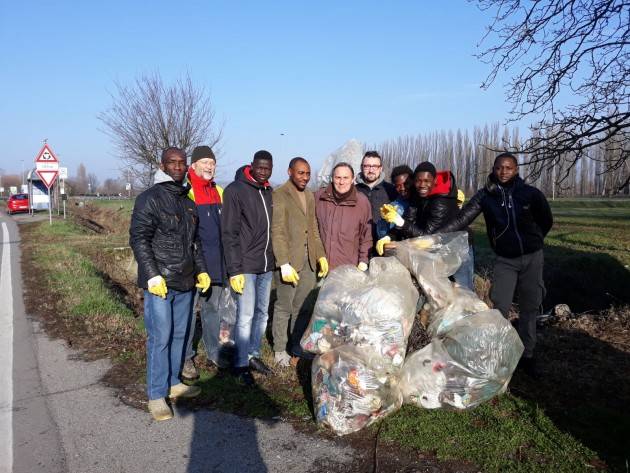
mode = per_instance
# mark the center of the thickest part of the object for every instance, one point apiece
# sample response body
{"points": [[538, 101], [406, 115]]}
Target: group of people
{"points": [[192, 239]]}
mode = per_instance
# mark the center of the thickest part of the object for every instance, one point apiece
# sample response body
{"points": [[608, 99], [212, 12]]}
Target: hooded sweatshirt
{"points": [[246, 225]]}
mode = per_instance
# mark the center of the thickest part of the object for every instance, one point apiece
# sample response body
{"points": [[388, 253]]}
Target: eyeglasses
{"points": [[371, 166]]}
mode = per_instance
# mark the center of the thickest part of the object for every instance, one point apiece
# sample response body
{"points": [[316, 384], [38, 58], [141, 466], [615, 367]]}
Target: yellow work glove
{"points": [[238, 283], [461, 198], [389, 214], [203, 281], [362, 266], [289, 274], [157, 286], [380, 245], [323, 267]]}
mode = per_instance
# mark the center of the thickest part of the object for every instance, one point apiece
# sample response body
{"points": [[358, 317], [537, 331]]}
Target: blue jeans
{"points": [[166, 321], [251, 317], [210, 323], [465, 275]]}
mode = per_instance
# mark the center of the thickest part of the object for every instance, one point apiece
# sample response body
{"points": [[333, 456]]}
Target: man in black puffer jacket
{"points": [[518, 218], [246, 235], [433, 203], [163, 236]]}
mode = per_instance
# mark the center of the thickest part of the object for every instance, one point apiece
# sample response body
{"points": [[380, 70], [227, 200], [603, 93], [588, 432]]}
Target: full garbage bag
{"points": [[472, 363], [372, 311], [432, 259], [352, 388], [465, 302]]}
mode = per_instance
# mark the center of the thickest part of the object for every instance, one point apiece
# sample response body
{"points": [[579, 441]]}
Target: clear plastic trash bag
{"points": [[227, 309], [375, 311], [352, 389], [432, 259], [464, 303], [472, 363]]}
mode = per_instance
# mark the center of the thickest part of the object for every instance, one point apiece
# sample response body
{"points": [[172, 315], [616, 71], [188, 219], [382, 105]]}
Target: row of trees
{"points": [[470, 156]]}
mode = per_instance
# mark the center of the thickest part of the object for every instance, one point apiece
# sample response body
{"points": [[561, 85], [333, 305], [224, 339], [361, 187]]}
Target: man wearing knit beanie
{"points": [[208, 199]]}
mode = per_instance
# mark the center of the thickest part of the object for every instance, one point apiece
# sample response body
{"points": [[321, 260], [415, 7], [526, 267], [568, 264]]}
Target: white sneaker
{"points": [[282, 358], [184, 391], [160, 410]]}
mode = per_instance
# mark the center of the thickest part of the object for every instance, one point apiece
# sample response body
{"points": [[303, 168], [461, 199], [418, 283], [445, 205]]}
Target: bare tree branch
{"points": [[149, 116]]}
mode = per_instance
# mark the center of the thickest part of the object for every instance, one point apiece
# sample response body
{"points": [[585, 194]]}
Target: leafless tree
{"points": [[149, 116], [565, 51]]}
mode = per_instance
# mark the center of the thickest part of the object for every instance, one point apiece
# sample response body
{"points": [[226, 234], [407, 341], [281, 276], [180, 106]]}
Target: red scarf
{"points": [[205, 191]]}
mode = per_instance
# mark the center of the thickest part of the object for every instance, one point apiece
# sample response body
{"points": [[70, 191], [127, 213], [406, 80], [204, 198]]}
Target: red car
{"points": [[17, 203]]}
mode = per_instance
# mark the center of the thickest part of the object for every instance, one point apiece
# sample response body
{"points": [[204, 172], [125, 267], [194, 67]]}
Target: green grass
{"points": [[68, 273], [507, 435], [587, 253]]}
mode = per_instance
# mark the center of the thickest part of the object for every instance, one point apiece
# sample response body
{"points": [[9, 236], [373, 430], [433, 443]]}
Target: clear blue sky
{"points": [[319, 72]]}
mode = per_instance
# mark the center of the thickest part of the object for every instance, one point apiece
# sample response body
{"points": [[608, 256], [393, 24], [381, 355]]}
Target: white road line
{"points": [[6, 355]]}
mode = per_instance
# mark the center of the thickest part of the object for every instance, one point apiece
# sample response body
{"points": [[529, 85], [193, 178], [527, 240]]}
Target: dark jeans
{"points": [[523, 275]]}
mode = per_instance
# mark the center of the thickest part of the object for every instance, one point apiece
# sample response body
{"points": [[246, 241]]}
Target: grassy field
{"points": [[533, 428], [587, 253]]}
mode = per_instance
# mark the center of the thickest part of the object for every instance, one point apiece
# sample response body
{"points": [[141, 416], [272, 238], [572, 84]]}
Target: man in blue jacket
{"points": [[517, 218], [246, 234], [207, 196]]}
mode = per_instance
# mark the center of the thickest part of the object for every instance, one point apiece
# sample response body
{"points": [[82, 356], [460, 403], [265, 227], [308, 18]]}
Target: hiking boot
{"points": [[257, 365], [282, 359], [244, 376], [189, 370], [184, 391], [160, 410]]}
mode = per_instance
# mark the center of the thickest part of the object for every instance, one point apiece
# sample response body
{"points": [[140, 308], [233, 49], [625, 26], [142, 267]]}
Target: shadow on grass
{"points": [[583, 388]]}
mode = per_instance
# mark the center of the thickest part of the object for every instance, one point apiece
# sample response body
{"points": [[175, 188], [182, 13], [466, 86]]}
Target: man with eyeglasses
{"points": [[371, 183]]}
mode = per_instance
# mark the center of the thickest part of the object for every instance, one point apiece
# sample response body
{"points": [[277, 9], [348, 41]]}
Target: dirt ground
{"points": [[584, 364]]}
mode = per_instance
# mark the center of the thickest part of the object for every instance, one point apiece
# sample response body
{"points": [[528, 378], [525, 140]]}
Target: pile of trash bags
{"points": [[361, 323]]}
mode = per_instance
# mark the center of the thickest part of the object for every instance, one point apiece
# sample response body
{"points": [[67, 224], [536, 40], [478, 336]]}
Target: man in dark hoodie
{"points": [[371, 183], [246, 235], [163, 236], [517, 218], [207, 196]]}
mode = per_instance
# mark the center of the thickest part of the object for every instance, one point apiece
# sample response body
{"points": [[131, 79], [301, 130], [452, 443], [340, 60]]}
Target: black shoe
{"points": [[244, 376], [257, 365], [528, 366]]}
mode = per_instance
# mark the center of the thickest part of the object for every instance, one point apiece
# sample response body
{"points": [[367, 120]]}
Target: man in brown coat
{"points": [[298, 251], [344, 216]]}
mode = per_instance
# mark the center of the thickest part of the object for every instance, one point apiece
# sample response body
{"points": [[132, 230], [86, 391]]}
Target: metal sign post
{"points": [[47, 166]]}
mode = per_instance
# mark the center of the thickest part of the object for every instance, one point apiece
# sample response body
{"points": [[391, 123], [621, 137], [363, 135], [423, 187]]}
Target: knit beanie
{"points": [[425, 167], [201, 152]]}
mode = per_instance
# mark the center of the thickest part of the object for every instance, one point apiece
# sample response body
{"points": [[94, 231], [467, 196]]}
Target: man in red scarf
{"points": [[207, 197]]}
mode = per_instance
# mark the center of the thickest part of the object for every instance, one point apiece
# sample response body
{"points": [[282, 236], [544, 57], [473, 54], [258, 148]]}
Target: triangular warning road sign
{"points": [[47, 177], [46, 155]]}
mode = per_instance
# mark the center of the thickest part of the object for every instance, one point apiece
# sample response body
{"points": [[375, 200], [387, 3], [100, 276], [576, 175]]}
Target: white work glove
{"points": [[362, 266]]}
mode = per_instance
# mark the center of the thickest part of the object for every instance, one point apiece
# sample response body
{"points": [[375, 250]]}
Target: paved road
{"points": [[58, 417]]}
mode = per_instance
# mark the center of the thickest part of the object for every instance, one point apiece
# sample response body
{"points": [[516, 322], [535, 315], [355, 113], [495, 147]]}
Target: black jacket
{"points": [[517, 216], [163, 235], [426, 215], [246, 226], [380, 194]]}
